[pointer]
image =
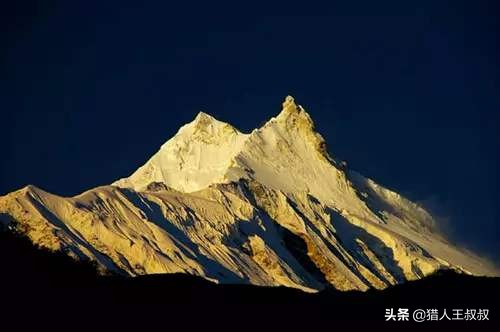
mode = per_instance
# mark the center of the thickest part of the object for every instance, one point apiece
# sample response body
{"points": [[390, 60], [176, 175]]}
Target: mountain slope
{"points": [[266, 208], [54, 278]]}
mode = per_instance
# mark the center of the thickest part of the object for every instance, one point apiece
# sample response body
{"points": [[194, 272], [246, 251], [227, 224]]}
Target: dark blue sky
{"points": [[408, 94]]}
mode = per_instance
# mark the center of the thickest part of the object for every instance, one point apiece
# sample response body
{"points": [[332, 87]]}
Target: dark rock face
{"points": [[57, 290]]}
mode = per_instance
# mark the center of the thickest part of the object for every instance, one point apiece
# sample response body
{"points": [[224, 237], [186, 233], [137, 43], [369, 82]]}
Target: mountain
{"points": [[269, 208], [67, 288]]}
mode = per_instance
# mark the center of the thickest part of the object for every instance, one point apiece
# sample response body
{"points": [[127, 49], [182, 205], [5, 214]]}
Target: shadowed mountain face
{"points": [[54, 290], [268, 208]]}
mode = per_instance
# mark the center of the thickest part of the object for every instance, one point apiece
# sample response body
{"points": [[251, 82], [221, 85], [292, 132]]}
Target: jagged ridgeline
{"points": [[270, 207]]}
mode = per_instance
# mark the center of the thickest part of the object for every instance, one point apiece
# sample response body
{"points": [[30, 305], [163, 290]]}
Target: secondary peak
{"points": [[204, 117]]}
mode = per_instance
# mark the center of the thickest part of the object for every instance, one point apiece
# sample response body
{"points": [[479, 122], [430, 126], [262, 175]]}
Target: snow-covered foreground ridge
{"points": [[267, 208]]}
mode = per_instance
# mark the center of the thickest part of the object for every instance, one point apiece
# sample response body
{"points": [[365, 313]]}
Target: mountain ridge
{"points": [[269, 208], [51, 276]]}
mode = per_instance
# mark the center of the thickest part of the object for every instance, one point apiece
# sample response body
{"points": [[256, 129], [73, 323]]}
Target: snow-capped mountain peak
{"points": [[289, 104], [268, 208], [197, 156], [293, 117], [207, 128], [206, 121], [207, 151], [204, 116]]}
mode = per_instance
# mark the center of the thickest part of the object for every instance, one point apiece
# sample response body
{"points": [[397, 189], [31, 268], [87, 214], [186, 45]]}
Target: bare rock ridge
{"points": [[271, 207]]}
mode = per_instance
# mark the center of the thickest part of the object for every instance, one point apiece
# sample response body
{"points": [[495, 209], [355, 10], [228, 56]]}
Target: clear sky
{"points": [[408, 94]]}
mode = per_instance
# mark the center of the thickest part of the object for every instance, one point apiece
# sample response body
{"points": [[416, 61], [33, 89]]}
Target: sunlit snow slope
{"points": [[268, 208]]}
